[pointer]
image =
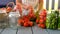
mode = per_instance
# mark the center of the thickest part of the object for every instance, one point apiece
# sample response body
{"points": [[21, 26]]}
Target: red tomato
{"points": [[31, 15], [41, 21], [42, 25], [31, 24], [41, 17], [38, 25], [37, 21], [26, 19], [25, 24], [44, 18], [20, 22], [9, 9], [42, 14], [45, 12]]}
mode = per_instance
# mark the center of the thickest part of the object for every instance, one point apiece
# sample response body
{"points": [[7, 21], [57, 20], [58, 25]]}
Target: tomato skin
{"points": [[42, 14], [41, 21], [41, 17], [20, 21], [9, 9], [31, 24], [42, 25], [38, 25], [37, 21], [44, 11], [44, 18], [25, 24]]}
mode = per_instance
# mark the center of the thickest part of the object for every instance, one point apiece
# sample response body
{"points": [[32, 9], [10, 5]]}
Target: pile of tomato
{"points": [[26, 19], [42, 19]]}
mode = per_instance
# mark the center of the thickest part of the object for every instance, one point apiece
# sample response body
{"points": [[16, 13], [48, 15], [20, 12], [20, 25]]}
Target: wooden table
{"points": [[28, 30]]}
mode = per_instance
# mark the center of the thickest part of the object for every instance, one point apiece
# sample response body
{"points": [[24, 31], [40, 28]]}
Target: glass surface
{"points": [[13, 17], [3, 19]]}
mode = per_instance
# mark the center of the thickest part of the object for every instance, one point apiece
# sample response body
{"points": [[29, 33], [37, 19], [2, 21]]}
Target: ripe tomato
{"points": [[25, 24], [42, 25], [9, 9], [30, 15], [44, 11], [41, 21], [20, 22], [44, 18], [34, 16], [37, 21], [31, 23], [38, 25], [26, 20], [42, 14], [41, 17]]}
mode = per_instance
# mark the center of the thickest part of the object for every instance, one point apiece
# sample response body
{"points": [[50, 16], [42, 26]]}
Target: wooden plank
{"points": [[37, 30], [0, 30], [24, 30], [53, 31], [9, 31]]}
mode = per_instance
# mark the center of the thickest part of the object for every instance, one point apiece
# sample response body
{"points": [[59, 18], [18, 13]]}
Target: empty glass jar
{"points": [[3, 19], [13, 17]]}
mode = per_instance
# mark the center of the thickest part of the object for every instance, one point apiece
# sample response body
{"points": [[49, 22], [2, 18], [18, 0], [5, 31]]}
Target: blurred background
{"points": [[3, 3]]}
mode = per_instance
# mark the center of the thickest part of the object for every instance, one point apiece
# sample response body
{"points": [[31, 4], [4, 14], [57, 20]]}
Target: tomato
{"points": [[41, 17], [25, 24], [9, 9], [30, 15], [26, 20], [31, 23], [42, 25], [44, 18], [41, 21], [37, 21], [20, 21], [42, 14], [45, 12], [38, 25]]}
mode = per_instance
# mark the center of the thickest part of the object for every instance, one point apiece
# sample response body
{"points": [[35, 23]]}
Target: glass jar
{"points": [[13, 17], [3, 19]]}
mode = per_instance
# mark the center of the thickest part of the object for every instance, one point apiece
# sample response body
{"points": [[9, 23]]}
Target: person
{"points": [[29, 3], [21, 4]]}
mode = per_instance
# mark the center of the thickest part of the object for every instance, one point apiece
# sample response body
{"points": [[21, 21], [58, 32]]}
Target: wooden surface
{"points": [[28, 30]]}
